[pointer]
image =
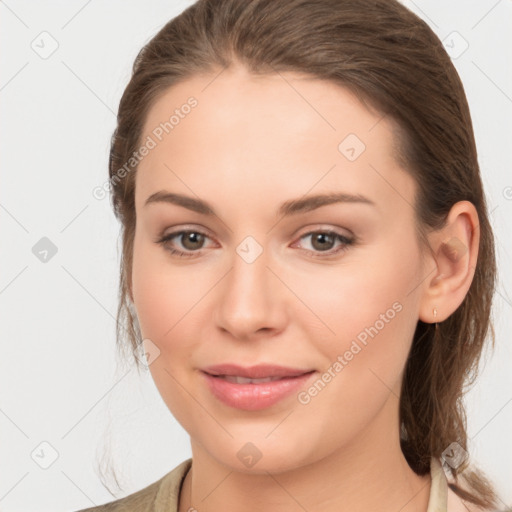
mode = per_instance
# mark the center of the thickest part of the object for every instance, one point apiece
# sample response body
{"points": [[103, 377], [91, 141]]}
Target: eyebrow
{"points": [[291, 207]]}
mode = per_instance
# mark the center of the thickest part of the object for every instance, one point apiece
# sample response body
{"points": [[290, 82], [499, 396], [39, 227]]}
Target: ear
{"points": [[455, 253]]}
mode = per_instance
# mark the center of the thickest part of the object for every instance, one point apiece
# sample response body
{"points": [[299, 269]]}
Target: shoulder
{"points": [[443, 497], [456, 504], [141, 501], [158, 496]]}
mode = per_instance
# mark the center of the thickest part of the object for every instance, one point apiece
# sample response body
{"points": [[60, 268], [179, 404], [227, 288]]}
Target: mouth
{"points": [[253, 394], [236, 379], [257, 372]]}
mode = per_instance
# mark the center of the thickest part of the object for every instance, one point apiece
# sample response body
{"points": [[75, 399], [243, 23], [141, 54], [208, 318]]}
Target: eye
{"points": [[323, 242], [191, 240]]}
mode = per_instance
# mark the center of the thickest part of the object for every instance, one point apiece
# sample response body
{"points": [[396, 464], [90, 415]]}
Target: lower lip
{"points": [[254, 397]]}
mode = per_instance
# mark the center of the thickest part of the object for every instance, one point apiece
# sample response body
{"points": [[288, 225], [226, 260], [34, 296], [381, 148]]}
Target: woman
{"points": [[307, 256]]}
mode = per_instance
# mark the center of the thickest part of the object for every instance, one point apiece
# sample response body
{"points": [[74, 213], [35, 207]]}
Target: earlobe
{"points": [[455, 249]]}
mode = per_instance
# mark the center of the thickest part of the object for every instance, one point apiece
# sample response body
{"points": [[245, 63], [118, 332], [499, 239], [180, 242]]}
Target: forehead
{"points": [[236, 130], [234, 98]]}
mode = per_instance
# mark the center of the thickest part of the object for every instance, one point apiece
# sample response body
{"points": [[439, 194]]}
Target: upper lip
{"points": [[259, 371]]}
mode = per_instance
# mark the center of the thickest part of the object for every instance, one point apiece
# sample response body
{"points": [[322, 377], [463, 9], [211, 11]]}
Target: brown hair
{"points": [[395, 64]]}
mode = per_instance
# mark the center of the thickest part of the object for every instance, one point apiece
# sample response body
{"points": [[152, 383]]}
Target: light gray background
{"points": [[60, 382]]}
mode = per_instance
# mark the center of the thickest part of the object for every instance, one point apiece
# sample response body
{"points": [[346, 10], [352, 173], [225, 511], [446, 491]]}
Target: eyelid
{"points": [[324, 228], [176, 230]]}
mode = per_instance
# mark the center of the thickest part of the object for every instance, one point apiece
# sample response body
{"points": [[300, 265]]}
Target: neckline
{"points": [[438, 498], [437, 502]]}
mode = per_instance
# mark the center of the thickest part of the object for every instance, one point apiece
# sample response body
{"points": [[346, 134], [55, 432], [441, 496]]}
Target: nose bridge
{"points": [[249, 298]]}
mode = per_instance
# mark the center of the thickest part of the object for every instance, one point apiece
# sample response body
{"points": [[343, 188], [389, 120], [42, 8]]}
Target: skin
{"points": [[250, 144]]}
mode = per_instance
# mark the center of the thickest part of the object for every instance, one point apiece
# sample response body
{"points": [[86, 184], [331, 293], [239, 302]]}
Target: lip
{"points": [[259, 371], [254, 397]]}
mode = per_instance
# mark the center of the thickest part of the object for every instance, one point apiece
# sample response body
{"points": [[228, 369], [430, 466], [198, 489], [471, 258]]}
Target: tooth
{"points": [[244, 380]]}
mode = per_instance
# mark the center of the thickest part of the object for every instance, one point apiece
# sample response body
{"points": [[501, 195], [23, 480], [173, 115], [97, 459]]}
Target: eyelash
{"points": [[346, 241]]}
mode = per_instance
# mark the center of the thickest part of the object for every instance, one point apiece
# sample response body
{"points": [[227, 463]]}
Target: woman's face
{"points": [[333, 289]]}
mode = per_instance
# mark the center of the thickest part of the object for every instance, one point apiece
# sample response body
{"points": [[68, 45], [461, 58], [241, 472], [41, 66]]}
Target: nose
{"points": [[250, 300]]}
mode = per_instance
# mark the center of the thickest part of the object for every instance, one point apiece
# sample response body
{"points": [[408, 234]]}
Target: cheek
{"points": [[162, 293], [368, 316], [162, 300], [154, 307]]}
